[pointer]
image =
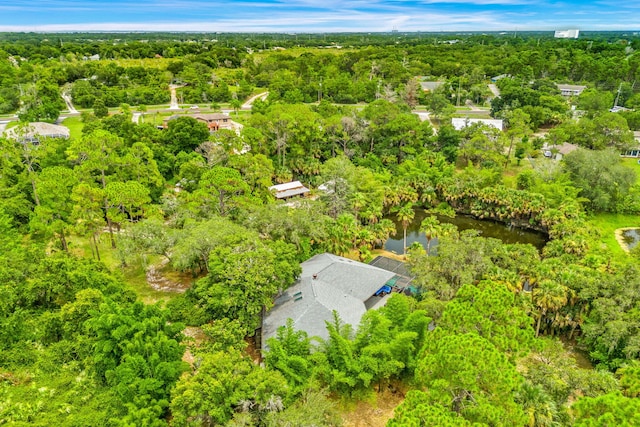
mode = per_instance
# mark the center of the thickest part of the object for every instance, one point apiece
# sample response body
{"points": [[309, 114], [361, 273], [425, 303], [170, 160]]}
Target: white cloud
{"points": [[304, 15]]}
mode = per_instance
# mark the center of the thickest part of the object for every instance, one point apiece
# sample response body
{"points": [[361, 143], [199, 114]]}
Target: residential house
{"points": [[557, 152], [430, 86], [634, 152], [214, 121], [327, 283], [570, 90], [32, 132]]}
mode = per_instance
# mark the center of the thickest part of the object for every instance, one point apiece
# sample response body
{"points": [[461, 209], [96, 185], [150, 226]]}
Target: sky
{"points": [[305, 16]]}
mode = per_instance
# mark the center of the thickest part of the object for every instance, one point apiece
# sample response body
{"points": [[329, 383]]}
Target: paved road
{"points": [[70, 107], [249, 104], [494, 89], [425, 115], [3, 125]]}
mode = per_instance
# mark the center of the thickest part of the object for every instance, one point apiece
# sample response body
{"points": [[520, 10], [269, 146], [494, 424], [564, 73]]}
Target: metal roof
{"points": [[289, 189], [462, 122]]}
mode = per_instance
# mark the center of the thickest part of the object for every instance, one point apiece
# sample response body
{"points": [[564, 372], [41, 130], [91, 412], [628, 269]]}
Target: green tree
{"points": [[419, 409], [221, 187], [491, 311], [97, 156], [221, 384], [606, 410], [53, 215], [243, 281], [604, 181], [185, 134], [405, 215], [139, 355], [100, 110], [471, 377]]}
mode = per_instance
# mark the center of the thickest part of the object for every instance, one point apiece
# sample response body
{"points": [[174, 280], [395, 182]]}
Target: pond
{"points": [[630, 237], [487, 228]]}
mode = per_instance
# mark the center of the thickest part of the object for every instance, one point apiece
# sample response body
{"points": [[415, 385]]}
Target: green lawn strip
{"points": [[631, 163], [75, 126], [134, 275], [607, 224]]}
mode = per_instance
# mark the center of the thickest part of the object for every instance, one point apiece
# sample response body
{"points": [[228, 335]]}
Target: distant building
{"points": [[430, 86], [462, 122], [566, 34], [634, 152], [570, 90], [327, 283], [557, 152], [500, 77], [288, 189], [214, 121], [33, 132], [618, 108], [95, 57]]}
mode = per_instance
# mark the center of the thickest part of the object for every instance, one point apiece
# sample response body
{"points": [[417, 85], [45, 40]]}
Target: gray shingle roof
{"points": [[340, 284], [36, 129]]}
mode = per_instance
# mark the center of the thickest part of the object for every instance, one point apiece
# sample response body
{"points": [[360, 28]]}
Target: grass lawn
{"points": [[632, 163], [607, 224], [75, 126], [135, 276]]}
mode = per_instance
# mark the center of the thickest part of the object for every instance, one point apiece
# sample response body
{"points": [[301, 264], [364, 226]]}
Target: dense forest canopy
{"points": [[139, 255]]}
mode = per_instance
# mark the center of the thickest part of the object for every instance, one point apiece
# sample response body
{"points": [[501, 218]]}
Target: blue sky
{"points": [[317, 15]]}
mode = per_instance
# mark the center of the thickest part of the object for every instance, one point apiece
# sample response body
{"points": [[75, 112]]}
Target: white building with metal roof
{"points": [[462, 122], [288, 189]]}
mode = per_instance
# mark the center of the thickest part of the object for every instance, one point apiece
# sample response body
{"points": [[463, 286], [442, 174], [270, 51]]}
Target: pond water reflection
{"points": [[630, 237], [487, 229]]}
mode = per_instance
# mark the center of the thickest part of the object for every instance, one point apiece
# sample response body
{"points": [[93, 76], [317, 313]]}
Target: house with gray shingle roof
{"points": [[327, 283], [35, 130]]}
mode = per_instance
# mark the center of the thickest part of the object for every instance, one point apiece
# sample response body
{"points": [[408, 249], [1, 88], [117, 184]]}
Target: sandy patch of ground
{"points": [[385, 253], [195, 336], [158, 279], [374, 414]]}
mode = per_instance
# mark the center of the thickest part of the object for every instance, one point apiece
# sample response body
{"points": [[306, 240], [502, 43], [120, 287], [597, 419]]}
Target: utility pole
{"points": [[615, 103]]}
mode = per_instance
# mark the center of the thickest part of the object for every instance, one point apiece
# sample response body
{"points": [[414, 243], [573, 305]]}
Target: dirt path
{"points": [[160, 282], [373, 414]]}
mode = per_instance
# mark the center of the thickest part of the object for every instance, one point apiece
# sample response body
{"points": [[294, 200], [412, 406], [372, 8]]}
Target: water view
{"points": [[487, 229], [630, 237]]}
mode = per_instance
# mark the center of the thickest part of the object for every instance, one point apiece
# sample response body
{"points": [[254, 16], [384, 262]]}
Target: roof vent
{"points": [[315, 276]]}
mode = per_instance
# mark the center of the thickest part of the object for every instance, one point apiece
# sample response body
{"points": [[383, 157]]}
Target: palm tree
{"points": [[548, 296], [405, 215], [540, 408], [431, 228], [358, 201]]}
